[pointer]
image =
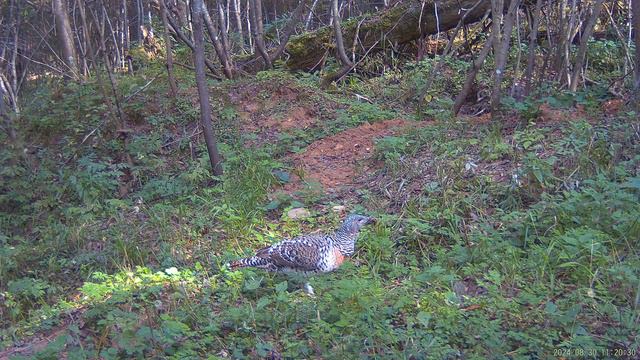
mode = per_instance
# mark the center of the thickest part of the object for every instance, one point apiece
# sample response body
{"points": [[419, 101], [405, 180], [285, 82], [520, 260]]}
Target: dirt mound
{"points": [[268, 128], [274, 109], [270, 111], [296, 118], [335, 161], [549, 114]]}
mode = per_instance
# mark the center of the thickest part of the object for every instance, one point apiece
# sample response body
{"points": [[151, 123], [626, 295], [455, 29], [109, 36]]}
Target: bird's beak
{"points": [[372, 220]]}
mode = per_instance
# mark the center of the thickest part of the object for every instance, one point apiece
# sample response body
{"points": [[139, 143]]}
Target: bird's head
{"points": [[354, 222]]}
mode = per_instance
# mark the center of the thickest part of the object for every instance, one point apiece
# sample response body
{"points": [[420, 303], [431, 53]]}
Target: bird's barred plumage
{"points": [[308, 253]]}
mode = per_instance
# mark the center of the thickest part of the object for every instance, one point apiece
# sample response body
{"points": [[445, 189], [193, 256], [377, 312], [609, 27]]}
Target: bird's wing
{"points": [[302, 253]]}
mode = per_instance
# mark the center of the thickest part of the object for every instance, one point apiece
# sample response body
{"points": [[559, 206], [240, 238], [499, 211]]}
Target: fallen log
{"points": [[407, 21]]}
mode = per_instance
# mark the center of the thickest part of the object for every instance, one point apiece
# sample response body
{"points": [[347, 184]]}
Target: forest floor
{"points": [[506, 239], [332, 161]]}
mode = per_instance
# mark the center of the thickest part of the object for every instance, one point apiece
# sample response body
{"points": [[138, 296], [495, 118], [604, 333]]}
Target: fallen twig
{"points": [[141, 89]]}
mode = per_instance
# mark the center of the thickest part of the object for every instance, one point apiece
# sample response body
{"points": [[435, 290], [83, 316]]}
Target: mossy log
{"points": [[405, 22]]}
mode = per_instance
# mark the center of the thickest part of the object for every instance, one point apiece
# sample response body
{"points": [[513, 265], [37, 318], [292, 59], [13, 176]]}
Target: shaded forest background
{"points": [[81, 39]]}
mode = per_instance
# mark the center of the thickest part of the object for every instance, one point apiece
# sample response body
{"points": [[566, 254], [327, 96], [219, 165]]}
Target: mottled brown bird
{"points": [[308, 254]]}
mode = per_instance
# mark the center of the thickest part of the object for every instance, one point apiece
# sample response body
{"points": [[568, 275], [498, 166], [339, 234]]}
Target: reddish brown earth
{"points": [[271, 112], [297, 117], [337, 160], [612, 107], [550, 114], [268, 128]]}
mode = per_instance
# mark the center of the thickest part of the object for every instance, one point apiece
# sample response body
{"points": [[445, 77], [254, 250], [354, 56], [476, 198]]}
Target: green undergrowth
{"points": [[506, 242]]}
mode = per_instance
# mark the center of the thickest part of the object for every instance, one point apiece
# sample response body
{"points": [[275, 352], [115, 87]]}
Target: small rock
{"points": [[172, 271], [338, 208], [298, 213]]}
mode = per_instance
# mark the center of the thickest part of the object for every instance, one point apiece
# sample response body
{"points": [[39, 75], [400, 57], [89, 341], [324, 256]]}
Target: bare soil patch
{"points": [[296, 118], [548, 114], [269, 112], [337, 160]]}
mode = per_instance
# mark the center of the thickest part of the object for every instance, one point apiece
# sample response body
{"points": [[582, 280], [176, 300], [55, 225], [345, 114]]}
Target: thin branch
{"points": [[141, 89], [188, 42], [337, 31], [222, 53], [288, 30]]}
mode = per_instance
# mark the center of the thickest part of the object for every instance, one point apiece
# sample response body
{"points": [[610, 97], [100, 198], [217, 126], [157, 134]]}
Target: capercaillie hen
{"points": [[309, 254]]}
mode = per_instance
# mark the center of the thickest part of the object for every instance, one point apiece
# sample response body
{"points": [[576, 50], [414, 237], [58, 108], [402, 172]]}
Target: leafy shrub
{"points": [[391, 149], [361, 112], [248, 177], [528, 109], [23, 295], [94, 180], [606, 59], [539, 171], [494, 147]]}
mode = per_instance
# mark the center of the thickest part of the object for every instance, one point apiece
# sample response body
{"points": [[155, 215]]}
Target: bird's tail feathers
{"points": [[253, 261]]}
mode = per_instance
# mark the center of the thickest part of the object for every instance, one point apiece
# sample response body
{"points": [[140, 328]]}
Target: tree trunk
{"points": [[223, 55], [337, 31], [502, 51], [471, 76], [248, 7], [92, 54], [224, 30], [168, 48], [288, 30], [180, 35], [258, 31], [238, 17], [82, 45], [107, 65], [448, 50], [533, 41], [6, 119], [64, 35], [561, 30], [400, 24], [636, 29], [118, 57], [347, 64], [227, 8], [139, 17], [564, 71], [203, 90], [497, 17], [307, 23], [125, 28], [12, 88], [584, 40]]}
